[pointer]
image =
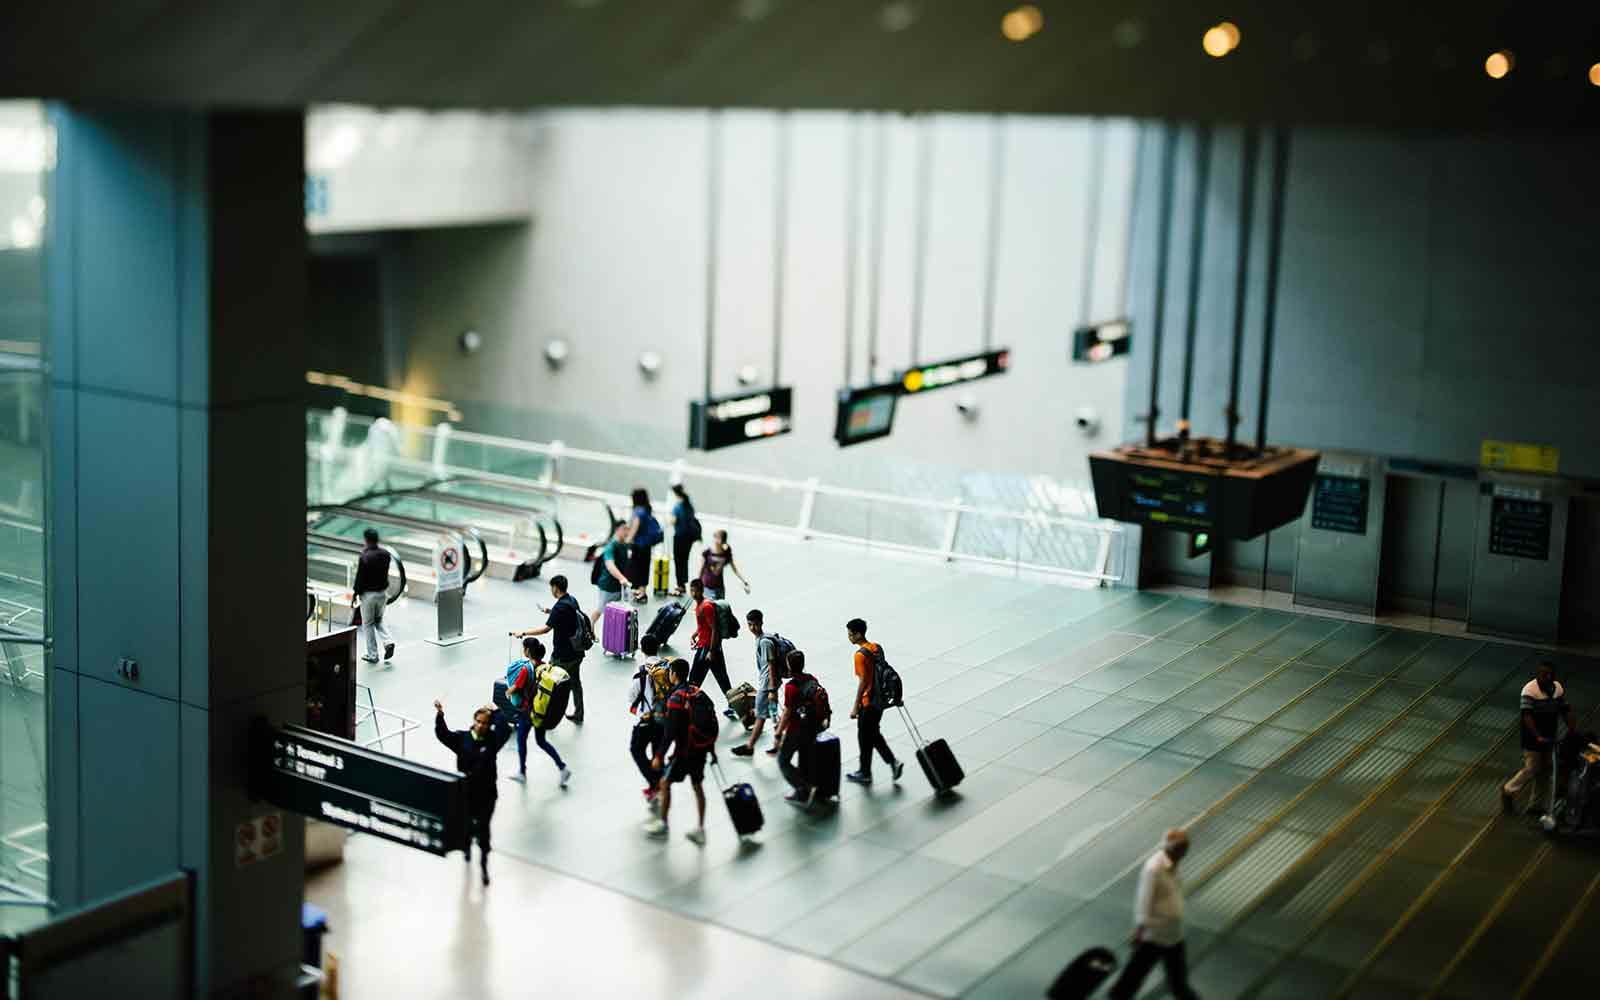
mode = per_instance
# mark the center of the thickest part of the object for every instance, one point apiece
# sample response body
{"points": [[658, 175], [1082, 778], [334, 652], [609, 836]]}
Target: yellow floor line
{"points": [[1560, 938], [1489, 918]]}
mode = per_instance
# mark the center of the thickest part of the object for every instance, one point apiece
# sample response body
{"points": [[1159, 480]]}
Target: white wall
{"points": [[614, 262]]}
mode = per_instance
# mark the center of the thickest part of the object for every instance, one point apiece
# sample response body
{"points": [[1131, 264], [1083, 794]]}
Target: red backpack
{"points": [[811, 702]]}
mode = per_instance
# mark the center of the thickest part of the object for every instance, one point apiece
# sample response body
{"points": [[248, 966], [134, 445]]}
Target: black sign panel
{"points": [[1170, 498], [956, 371], [1101, 342], [340, 782], [1520, 528], [734, 420], [1339, 503], [865, 414]]}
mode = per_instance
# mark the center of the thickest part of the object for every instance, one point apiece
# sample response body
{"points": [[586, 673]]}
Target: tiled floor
{"points": [[1337, 779]]}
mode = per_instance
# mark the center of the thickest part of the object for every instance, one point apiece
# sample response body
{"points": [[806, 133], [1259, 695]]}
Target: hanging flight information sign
{"points": [[954, 372], [732, 420], [1100, 342], [865, 414], [343, 783]]}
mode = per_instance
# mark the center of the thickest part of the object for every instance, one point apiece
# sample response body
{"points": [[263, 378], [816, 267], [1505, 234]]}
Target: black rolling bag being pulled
{"points": [[744, 809], [1083, 975], [937, 759]]}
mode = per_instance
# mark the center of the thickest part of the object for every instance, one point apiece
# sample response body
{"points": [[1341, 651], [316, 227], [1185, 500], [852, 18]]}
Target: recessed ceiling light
{"points": [[897, 16], [1220, 39], [1499, 64], [1594, 74], [1023, 23]]}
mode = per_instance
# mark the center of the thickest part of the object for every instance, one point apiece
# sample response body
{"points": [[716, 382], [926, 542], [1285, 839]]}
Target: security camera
{"points": [[556, 352], [1087, 421], [967, 406]]}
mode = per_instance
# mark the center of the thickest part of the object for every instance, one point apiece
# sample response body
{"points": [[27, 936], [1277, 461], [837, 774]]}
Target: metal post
{"points": [[780, 239], [1280, 183], [808, 504], [874, 276], [952, 529], [1169, 150], [713, 214], [1094, 193], [1197, 244], [919, 253], [1241, 284], [552, 463], [991, 271], [852, 212]]}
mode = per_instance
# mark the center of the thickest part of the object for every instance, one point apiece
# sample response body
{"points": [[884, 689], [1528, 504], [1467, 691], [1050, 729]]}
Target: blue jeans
{"points": [[524, 724]]}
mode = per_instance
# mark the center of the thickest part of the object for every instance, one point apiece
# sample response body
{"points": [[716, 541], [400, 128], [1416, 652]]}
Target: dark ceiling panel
{"points": [[1358, 61]]}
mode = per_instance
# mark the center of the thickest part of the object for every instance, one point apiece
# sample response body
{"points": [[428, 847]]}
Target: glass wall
{"points": [[27, 153]]}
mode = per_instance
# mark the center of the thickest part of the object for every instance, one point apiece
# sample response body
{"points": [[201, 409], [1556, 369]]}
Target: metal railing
{"points": [[1081, 549], [402, 724]]}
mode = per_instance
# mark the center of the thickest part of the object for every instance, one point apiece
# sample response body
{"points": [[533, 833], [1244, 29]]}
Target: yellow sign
{"points": [[1520, 457]]}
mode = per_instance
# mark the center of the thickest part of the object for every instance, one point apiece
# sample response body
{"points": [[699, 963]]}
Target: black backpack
{"points": [[583, 635], [887, 690], [811, 703], [703, 722]]}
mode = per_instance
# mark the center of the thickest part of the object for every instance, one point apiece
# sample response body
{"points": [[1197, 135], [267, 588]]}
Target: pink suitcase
{"points": [[619, 629]]}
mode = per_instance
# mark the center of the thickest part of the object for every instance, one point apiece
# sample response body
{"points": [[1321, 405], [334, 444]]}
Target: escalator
{"points": [[412, 537]]}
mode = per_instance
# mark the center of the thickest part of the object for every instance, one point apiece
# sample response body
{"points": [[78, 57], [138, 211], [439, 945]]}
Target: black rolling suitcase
{"points": [[666, 621], [827, 760], [1083, 975], [937, 759], [744, 809]]}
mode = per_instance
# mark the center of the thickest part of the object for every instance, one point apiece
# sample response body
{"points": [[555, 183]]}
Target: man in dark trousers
{"points": [[869, 718], [371, 592], [1158, 923], [798, 727], [707, 643], [563, 622], [476, 750]]}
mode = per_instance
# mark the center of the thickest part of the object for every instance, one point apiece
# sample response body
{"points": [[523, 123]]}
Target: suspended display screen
{"points": [[956, 371], [1101, 341], [732, 420], [865, 414]]}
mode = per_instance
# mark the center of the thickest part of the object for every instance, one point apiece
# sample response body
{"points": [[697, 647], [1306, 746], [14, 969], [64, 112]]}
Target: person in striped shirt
{"points": [[1544, 705]]}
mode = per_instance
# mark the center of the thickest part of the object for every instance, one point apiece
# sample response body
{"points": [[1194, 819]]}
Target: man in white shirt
{"points": [[1158, 919]]}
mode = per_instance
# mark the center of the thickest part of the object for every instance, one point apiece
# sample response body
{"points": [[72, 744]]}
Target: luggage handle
{"points": [[911, 727], [716, 767]]}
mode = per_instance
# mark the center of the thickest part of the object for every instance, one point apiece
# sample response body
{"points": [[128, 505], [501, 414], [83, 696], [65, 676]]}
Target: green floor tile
{"points": [[1207, 625], [1058, 706], [1048, 750], [992, 828], [954, 965], [1211, 735], [837, 922], [945, 911], [1157, 726], [1099, 761], [1263, 745], [1107, 716]]}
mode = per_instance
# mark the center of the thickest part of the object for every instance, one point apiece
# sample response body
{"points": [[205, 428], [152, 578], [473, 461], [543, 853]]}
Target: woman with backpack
{"points": [[714, 562], [644, 533], [686, 532], [526, 680]]}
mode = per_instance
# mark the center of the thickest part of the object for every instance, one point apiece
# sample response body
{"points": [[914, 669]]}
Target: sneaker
{"points": [[656, 828], [697, 836], [772, 751], [576, 720], [369, 659], [566, 776], [743, 750], [897, 768], [730, 713], [388, 654], [859, 777], [798, 800], [520, 778]]}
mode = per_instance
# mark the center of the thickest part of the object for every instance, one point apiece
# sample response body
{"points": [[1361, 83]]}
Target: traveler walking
{"points": [[647, 701], [371, 593], [476, 750], [686, 532], [805, 715], [1544, 705], [566, 645], [690, 731], [772, 650], [644, 533], [868, 716], [707, 643], [1158, 920], [610, 573], [524, 680], [714, 562]]}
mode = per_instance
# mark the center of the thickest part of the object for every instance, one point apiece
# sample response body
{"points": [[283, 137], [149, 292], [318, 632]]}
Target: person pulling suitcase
{"points": [[870, 701]]}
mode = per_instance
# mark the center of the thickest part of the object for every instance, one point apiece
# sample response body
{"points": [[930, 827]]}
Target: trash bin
{"points": [[313, 924]]}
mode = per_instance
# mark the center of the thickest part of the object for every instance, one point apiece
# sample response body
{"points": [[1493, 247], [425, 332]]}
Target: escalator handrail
{"points": [[539, 488], [426, 492], [311, 605], [468, 533], [314, 537]]}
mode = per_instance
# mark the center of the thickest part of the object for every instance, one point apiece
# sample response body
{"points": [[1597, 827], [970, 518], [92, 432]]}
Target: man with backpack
{"points": [[574, 636], [647, 702], [806, 713], [868, 705], [524, 679], [707, 643], [772, 652], [476, 750], [690, 731], [608, 575]]}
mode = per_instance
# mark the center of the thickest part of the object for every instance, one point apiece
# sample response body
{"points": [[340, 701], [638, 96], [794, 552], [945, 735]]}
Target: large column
{"points": [[176, 270]]}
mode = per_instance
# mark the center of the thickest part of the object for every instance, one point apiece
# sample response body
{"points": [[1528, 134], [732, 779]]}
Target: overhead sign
{"points": [[732, 420], [448, 565], [344, 783], [1520, 457], [1170, 497], [954, 372], [865, 414], [1101, 341]]}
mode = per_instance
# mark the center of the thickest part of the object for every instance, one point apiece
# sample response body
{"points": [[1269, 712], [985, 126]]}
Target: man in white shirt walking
{"points": [[1158, 916]]}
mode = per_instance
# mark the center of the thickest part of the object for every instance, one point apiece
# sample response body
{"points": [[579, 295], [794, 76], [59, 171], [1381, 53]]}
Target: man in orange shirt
{"points": [[869, 718]]}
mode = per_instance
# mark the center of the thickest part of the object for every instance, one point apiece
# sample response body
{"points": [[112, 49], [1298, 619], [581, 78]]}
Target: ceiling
{"points": [[1359, 62]]}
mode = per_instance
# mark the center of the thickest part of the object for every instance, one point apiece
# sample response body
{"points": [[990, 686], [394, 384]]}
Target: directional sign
{"points": [[447, 563], [346, 784], [954, 372], [749, 416]]}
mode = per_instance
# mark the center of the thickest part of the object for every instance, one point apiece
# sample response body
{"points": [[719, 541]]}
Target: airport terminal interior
{"points": [[1174, 426]]}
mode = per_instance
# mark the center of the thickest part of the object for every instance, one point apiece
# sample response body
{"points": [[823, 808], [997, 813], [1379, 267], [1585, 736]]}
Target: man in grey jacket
{"points": [[1158, 920]]}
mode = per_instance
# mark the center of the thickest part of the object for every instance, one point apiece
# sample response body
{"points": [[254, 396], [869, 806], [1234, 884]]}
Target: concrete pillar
{"points": [[176, 294]]}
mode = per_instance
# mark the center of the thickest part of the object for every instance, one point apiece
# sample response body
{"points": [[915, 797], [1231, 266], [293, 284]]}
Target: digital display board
{"points": [[343, 783], [1101, 341], [954, 372], [1520, 528], [865, 414], [1171, 498], [732, 420], [1339, 503]]}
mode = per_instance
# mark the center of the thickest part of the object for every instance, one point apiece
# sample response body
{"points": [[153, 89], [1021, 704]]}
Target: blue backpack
{"points": [[650, 532], [521, 698]]}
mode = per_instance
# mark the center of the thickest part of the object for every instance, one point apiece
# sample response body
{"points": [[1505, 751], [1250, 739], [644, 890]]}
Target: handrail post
{"points": [[951, 528], [1103, 556], [552, 471], [441, 442], [808, 504]]}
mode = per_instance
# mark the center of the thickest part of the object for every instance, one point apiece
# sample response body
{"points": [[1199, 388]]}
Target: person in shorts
{"points": [[715, 562], [686, 762], [769, 670]]}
